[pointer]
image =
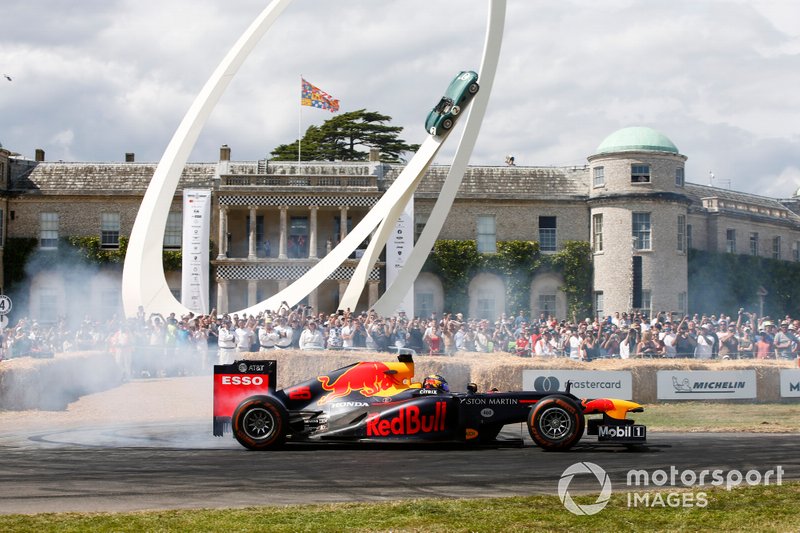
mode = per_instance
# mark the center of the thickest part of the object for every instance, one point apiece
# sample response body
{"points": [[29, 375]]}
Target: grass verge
{"points": [[719, 417], [764, 508]]}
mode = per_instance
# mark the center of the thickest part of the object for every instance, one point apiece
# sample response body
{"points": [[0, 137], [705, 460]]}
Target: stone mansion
{"points": [[272, 221]]}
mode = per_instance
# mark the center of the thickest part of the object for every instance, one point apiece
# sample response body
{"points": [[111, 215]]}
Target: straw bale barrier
{"points": [[51, 384], [28, 383]]}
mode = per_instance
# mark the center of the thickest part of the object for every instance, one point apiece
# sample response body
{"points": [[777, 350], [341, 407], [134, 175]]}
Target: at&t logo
{"points": [[584, 468]]}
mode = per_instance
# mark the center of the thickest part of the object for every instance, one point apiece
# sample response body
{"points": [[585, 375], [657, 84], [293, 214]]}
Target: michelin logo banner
{"points": [[705, 384], [584, 384], [196, 234], [790, 383]]}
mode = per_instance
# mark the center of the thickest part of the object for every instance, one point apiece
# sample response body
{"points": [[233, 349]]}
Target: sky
{"points": [[95, 79]]}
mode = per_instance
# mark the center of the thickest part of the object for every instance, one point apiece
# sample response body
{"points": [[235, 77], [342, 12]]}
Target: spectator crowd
{"points": [[151, 345]]}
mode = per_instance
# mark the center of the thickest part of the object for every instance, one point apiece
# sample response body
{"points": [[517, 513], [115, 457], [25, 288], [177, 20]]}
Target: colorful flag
{"points": [[315, 97]]}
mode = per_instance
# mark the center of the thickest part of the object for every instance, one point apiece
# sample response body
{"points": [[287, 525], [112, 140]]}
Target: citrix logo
{"points": [[584, 468]]}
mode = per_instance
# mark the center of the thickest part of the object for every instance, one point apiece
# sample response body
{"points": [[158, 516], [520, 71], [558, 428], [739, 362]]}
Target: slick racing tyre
{"points": [[259, 423], [556, 423]]}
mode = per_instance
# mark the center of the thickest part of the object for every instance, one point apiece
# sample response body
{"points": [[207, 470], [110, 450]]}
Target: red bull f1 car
{"points": [[376, 401]]}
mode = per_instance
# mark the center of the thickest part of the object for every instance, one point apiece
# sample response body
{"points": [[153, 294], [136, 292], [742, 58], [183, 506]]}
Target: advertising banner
{"points": [[196, 235], [584, 383], [398, 248], [705, 384], [790, 383]]}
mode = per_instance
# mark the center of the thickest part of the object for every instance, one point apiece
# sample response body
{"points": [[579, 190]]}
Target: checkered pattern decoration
{"points": [[294, 201], [284, 272]]}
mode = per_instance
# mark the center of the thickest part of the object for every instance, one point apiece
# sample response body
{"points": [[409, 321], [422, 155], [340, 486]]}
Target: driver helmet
{"points": [[435, 381]]}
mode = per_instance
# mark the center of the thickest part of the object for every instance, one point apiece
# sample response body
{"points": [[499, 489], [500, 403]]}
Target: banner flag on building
{"points": [[313, 96], [195, 249]]}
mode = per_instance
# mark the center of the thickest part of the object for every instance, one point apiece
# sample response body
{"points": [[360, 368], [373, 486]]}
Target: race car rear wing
{"points": [[235, 382]]}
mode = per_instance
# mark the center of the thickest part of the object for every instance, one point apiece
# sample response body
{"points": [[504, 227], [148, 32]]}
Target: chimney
{"points": [[224, 153], [129, 157], [374, 155], [39, 155]]}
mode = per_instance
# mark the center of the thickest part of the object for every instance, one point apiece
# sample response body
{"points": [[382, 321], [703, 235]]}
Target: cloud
{"points": [[120, 75]]}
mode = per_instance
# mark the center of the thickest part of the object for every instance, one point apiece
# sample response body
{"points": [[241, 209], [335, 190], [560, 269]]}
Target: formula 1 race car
{"points": [[372, 401]]}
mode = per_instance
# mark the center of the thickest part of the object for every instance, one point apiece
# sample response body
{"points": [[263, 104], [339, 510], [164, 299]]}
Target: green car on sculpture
{"points": [[458, 94]]}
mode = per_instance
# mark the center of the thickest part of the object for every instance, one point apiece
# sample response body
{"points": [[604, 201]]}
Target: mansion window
{"points": [[754, 243], [689, 237], [547, 234], [640, 173], [776, 247], [487, 235], [599, 178], [597, 232], [599, 310], [420, 219], [641, 231], [796, 251], [547, 305], [173, 234], [297, 241], [682, 233], [109, 230], [730, 241], [48, 230], [679, 177]]}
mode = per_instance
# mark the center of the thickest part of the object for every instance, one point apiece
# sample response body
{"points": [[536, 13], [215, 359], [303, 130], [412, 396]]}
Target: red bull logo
{"points": [[408, 421], [367, 378], [600, 405]]}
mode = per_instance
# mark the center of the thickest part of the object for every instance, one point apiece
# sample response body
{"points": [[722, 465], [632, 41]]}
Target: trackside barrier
{"points": [[28, 383]]}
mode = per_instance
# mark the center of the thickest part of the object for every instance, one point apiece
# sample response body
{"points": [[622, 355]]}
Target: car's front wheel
{"points": [[473, 88], [556, 423], [259, 423], [447, 124]]}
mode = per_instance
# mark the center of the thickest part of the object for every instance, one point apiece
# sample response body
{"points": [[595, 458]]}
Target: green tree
{"points": [[348, 137]]}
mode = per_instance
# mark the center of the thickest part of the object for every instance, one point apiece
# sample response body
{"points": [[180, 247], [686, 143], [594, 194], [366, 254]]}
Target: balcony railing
{"points": [[296, 180]]}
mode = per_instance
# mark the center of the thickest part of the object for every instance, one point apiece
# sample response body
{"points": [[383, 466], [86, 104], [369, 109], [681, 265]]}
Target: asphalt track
{"points": [[180, 465]]}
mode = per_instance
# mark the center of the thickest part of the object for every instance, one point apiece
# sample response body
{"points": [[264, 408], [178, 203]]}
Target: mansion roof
{"points": [[480, 182]]}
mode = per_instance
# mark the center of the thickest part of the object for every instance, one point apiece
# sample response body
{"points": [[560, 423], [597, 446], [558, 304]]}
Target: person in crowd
{"points": [[545, 346], [705, 342], [226, 341], [415, 341], [335, 340], [268, 337], [311, 338], [647, 347], [728, 341], [590, 350], [783, 342], [244, 336], [434, 339]]}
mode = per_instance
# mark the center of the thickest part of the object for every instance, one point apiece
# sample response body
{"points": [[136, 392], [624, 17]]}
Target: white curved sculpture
{"points": [[143, 280], [395, 292]]}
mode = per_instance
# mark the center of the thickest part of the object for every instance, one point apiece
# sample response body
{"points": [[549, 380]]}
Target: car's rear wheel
{"points": [[259, 423], [447, 124], [473, 88], [556, 423], [455, 110]]}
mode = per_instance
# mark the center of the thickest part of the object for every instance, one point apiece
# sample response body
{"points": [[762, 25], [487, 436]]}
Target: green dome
{"points": [[636, 139]]}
